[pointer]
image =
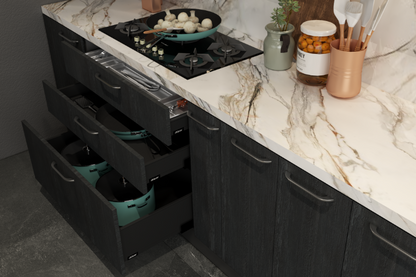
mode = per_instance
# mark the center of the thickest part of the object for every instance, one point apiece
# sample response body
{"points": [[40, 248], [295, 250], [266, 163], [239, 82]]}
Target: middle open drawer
{"points": [[122, 155]]}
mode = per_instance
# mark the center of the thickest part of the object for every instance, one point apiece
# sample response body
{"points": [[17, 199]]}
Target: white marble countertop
{"points": [[364, 147]]}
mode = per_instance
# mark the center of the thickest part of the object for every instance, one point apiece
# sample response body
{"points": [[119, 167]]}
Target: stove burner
{"points": [[131, 28], [226, 49], [195, 59]]}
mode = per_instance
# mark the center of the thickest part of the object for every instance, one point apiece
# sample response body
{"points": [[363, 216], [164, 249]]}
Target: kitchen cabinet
{"points": [[205, 146], [79, 200], [375, 247], [311, 228], [250, 180]]}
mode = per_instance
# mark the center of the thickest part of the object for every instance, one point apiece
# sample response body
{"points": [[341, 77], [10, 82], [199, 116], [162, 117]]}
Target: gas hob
{"points": [[188, 59]]}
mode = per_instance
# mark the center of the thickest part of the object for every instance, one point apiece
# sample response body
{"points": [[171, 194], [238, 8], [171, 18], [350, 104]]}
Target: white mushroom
{"points": [[169, 16], [167, 24], [193, 18], [160, 21], [157, 26], [201, 29], [189, 27], [175, 21], [183, 17], [179, 24], [206, 23]]}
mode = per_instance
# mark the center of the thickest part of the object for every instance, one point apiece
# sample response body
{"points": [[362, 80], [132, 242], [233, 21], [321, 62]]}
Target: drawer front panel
{"points": [[119, 155], [157, 226], [129, 99], [93, 214]]}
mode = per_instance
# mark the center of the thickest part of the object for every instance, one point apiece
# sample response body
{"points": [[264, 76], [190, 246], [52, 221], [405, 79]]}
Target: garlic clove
{"points": [[206, 23], [183, 17]]}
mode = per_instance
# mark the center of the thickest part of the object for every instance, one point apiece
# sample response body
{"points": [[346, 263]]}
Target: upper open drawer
{"points": [[134, 101]]}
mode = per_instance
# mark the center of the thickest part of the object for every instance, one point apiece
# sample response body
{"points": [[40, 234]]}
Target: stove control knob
{"points": [[136, 39], [142, 42], [154, 49], [161, 52]]}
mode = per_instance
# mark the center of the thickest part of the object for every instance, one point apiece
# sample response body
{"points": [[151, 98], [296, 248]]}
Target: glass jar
{"points": [[313, 53]]}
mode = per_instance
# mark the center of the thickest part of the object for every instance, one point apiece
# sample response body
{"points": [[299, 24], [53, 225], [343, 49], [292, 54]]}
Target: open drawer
{"points": [[119, 154], [94, 215], [134, 101]]}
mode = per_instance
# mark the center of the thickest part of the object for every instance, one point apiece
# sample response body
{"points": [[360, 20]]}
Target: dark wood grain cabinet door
{"points": [[205, 147], [376, 247], [93, 214], [250, 179], [311, 226]]}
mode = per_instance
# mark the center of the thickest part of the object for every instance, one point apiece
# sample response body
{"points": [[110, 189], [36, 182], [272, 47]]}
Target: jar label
{"points": [[313, 64]]}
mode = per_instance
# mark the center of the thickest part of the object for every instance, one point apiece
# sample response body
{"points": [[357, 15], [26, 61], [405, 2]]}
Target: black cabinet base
{"points": [[218, 262]]}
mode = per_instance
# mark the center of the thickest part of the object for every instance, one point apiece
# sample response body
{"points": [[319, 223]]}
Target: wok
{"points": [[182, 36]]}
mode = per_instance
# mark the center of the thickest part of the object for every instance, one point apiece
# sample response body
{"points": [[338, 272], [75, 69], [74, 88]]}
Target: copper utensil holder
{"points": [[345, 68], [152, 6]]}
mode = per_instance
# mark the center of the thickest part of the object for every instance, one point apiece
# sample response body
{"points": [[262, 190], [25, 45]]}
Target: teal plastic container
{"points": [[85, 161], [130, 203]]}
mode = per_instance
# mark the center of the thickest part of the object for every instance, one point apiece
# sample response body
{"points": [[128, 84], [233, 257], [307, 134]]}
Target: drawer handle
{"points": [[202, 124], [67, 39], [104, 82], [69, 180], [76, 119], [373, 229], [234, 142], [320, 198]]}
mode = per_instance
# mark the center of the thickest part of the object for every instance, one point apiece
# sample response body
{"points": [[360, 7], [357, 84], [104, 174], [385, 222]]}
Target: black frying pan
{"points": [[182, 36]]}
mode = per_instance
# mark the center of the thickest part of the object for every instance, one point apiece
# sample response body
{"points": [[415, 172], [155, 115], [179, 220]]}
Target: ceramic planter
{"points": [[278, 47]]}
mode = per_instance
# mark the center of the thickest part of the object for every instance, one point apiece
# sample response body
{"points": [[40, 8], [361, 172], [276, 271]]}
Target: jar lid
{"points": [[318, 28]]}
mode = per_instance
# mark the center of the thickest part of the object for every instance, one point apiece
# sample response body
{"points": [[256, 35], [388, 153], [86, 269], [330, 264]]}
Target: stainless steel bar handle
{"points": [[234, 142], [69, 180], [373, 229], [320, 198], [202, 124], [67, 39], [104, 82], [76, 119]]}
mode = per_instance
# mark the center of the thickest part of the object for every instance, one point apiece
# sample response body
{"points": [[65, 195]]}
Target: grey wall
{"points": [[24, 63]]}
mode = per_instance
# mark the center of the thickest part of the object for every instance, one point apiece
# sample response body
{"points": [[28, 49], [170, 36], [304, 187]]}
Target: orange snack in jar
{"points": [[312, 65], [301, 39]]}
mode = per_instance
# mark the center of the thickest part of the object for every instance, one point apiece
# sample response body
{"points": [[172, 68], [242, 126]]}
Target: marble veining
{"points": [[364, 147]]}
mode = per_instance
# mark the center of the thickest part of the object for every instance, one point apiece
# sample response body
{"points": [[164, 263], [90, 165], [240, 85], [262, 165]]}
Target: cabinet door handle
{"points": [[320, 198], [373, 229], [104, 82], [67, 39], [76, 119], [202, 124], [69, 180], [234, 142]]}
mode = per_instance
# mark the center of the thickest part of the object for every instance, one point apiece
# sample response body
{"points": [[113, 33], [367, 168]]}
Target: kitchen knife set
{"points": [[351, 12]]}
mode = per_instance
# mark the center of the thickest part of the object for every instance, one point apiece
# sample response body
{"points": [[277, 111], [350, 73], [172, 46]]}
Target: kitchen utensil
{"points": [[122, 126], [182, 36], [353, 11], [345, 71], [130, 203], [85, 103], [376, 20], [365, 17], [85, 161], [339, 11], [161, 30]]}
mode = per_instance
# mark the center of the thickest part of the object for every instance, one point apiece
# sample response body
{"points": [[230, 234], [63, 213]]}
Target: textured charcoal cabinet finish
{"points": [[310, 233], [129, 99], [94, 214], [249, 204], [205, 147], [367, 255]]}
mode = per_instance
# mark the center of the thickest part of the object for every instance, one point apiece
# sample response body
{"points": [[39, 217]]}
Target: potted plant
{"points": [[279, 44]]}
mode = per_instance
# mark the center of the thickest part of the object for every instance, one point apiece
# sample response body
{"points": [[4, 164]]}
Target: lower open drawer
{"points": [[91, 211]]}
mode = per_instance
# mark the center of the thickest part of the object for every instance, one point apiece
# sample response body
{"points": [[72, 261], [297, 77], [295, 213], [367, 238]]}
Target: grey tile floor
{"points": [[36, 240]]}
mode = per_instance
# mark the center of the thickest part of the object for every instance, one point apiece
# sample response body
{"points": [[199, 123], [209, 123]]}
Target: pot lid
{"points": [[79, 154], [114, 187]]}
